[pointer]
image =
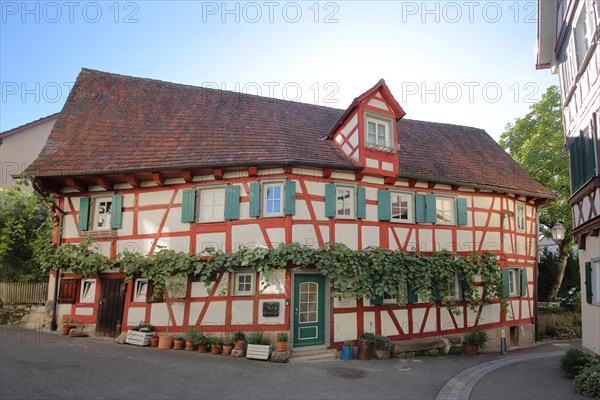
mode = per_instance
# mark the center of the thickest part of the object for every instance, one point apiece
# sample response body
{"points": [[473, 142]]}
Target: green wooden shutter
{"points": [[384, 211], [589, 294], [377, 301], [430, 208], [188, 205], [290, 198], [420, 215], [232, 202], [575, 169], [255, 199], [116, 212], [461, 211], [413, 296], [361, 203], [589, 160], [84, 213], [330, 200], [436, 293], [523, 282], [506, 282]]}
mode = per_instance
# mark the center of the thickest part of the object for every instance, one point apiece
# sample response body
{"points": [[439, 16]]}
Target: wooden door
{"points": [[111, 304]]}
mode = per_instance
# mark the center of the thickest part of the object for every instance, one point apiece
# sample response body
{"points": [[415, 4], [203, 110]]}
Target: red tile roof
{"points": [[119, 124]]}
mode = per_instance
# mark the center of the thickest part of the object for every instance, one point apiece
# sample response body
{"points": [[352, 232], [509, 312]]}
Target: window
{"points": [[211, 205], [344, 202], [102, 211], [402, 294], [402, 207], [88, 291], [273, 195], [456, 291], [67, 292], [444, 210], [520, 217], [581, 39], [141, 290], [582, 158], [244, 283], [514, 282], [379, 132], [592, 282]]}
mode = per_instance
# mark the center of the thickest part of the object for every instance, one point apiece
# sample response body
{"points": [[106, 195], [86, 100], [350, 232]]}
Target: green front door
{"points": [[309, 310]]}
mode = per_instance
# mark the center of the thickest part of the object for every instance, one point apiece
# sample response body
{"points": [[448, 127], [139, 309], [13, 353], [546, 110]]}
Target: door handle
{"points": [[101, 301], [296, 310]]}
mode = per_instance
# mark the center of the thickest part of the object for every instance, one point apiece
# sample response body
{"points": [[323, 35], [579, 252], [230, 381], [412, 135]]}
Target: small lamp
{"points": [[558, 232]]}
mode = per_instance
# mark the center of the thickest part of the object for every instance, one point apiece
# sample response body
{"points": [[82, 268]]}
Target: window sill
{"points": [[399, 221], [384, 149]]}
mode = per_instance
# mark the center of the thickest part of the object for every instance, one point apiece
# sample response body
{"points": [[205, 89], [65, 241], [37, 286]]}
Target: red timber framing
{"points": [[491, 227]]}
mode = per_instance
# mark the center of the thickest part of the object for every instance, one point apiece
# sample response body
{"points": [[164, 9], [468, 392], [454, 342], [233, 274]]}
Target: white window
{"points": [[211, 205], [102, 209], [520, 217], [595, 282], [244, 283], [456, 292], [402, 294], [402, 207], [514, 281], [141, 290], [379, 132], [344, 202], [272, 199], [581, 39], [444, 210], [88, 291]]}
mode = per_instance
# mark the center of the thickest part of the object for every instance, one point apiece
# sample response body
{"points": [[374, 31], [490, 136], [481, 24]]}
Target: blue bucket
{"points": [[346, 353]]}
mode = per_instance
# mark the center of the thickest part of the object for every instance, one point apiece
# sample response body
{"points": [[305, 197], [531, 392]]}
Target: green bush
{"points": [[477, 338], [573, 361], [587, 381]]}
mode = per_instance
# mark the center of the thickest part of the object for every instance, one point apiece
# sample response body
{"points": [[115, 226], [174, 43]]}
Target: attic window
{"points": [[378, 133]]}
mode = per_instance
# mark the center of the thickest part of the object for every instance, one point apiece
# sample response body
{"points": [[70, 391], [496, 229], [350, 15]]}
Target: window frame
{"points": [[95, 213], [522, 218], [410, 205], [136, 292], [516, 273], [452, 201], [91, 284], [379, 119], [245, 273], [205, 189], [458, 291], [595, 282], [265, 186], [402, 291], [581, 38], [352, 201]]}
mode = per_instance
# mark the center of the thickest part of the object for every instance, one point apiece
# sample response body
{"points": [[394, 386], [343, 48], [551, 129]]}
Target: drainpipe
{"points": [[536, 274], [61, 213]]}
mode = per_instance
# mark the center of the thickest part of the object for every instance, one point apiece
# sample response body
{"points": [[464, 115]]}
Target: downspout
{"points": [[536, 275], [61, 213]]}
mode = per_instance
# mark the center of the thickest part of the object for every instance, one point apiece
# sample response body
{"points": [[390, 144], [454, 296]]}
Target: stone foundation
{"points": [[25, 316]]}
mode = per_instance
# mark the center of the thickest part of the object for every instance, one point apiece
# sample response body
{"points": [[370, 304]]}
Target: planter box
{"points": [[139, 338], [258, 351]]}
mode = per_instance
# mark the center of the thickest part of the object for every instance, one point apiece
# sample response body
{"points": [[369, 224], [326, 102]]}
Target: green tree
{"points": [[24, 220], [536, 141]]}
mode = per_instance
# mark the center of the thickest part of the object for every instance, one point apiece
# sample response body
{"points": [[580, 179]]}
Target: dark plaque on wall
{"points": [[271, 309]]}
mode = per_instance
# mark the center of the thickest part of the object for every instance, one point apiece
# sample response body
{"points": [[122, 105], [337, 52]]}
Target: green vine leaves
{"points": [[370, 273]]}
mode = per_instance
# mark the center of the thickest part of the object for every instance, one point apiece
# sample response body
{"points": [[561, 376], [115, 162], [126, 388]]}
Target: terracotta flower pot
{"points": [[240, 344], [201, 348], [178, 344], [227, 350], [66, 329], [215, 349], [154, 341], [281, 346], [189, 346], [165, 342], [365, 350], [470, 349]]}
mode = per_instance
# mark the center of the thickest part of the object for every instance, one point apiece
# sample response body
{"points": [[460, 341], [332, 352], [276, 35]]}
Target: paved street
{"points": [[46, 365]]}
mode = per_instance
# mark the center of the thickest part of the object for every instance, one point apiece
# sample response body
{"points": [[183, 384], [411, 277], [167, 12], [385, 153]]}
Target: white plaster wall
{"points": [[136, 315], [178, 243], [247, 235], [345, 302], [369, 321], [200, 290], [464, 240], [215, 240], [425, 239], [149, 221], [158, 197], [345, 327], [84, 311], [173, 223], [195, 310], [387, 325], [276, 235], [141, 246], [347, 234], [443, 239], [370, 236], [215, 314], [69, 228], [241, 312], [302, 232], [159, 314], [272, 320], [301, 210], [126, 224], [315, 188]]}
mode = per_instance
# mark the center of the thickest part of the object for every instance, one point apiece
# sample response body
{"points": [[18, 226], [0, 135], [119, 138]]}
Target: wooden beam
{"points": [[359, 175], [412, 182], [158, 178], [252, 171], [218, 173], [133, 181], [76, 183], [595, 232], [104, 182], [46, 186], [389, 180], [455, 187], [431, 185], [187, 175], [327, 173], [288, 169]]}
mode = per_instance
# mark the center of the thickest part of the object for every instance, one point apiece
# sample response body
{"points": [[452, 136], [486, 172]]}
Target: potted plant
{"points": [[201, 343], [178, 342], [140, 335], [227, 345], [282, 339], [154, 340], [215, 345], [259, 346], [191, 335], [473, 341], [365, 345], [68, 323], [383, 347], [240, 340]]}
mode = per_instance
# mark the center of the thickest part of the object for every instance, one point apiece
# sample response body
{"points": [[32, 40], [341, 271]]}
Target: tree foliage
{"points": [[24, 221]]}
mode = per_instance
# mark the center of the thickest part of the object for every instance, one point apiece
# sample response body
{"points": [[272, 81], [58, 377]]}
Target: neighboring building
{"points": [[20, 146], [187, 167], [568, 35]]}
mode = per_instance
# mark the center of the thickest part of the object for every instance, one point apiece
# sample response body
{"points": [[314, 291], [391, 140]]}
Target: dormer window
{"points": [[378, 132]]}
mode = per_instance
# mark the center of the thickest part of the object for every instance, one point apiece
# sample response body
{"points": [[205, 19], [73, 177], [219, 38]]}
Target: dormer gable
{"points": [[366, 132]]}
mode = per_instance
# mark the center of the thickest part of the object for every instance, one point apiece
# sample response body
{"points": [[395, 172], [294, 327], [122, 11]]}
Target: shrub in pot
{"points": [[227, 345], [282, 339], [178, 342], [67, 324], [191, 335], [140, 335], [259, 346], [383, 347], [215, 345], [474, 340], [202, 343], [240, 340], [365, 345]]}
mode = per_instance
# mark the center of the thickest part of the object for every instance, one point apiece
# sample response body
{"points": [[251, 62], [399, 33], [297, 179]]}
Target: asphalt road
{"points": [[46, 365]]}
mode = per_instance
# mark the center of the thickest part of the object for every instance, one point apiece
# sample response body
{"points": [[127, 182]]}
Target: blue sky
{"points": [[469, 63]]}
